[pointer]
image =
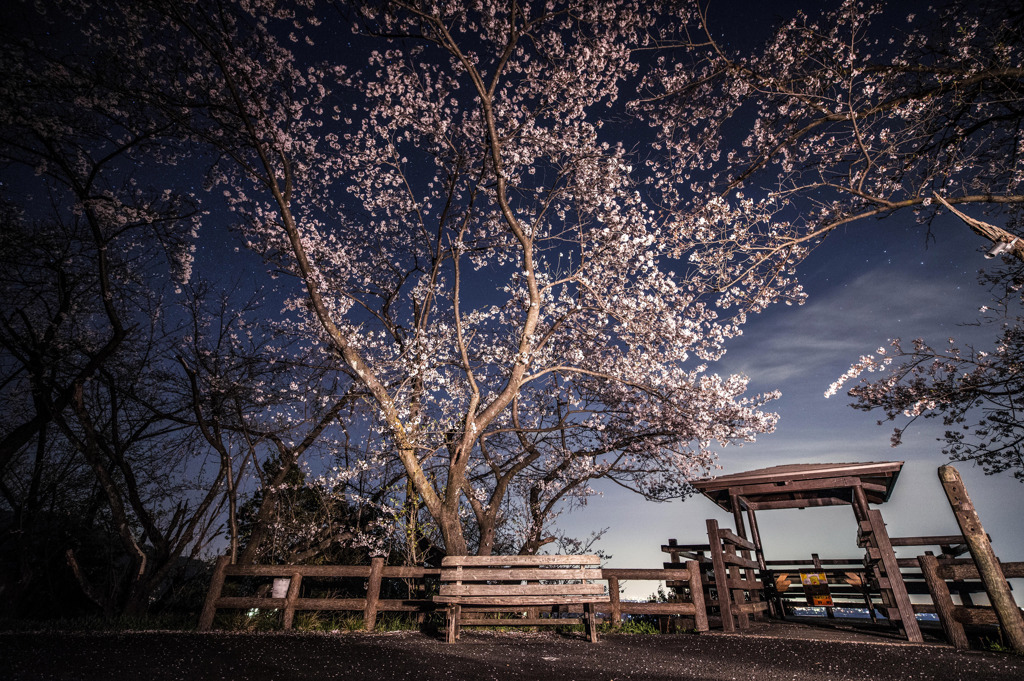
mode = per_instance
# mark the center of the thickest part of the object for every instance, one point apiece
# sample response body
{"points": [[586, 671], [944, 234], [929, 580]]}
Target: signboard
{"points": [[816, 588]]}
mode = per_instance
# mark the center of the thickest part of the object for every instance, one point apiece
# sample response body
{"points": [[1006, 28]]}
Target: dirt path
{"points": [[173, 656]]}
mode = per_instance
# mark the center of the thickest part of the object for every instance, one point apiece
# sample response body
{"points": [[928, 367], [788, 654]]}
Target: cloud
{"points": [[819, 340]]}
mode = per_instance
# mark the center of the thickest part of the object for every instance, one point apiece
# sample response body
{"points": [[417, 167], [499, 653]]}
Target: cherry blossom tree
{"points": [[467, 228], [864, 111]]}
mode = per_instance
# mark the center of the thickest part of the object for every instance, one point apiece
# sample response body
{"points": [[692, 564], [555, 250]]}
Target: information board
{"points": [[816, 588]]}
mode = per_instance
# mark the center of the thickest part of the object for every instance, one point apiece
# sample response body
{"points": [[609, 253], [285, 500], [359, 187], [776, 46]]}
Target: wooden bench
{"points": [[474, 585]]}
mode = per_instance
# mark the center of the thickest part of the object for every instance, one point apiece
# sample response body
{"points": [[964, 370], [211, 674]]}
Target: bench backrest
{"points": [[520, 575]]}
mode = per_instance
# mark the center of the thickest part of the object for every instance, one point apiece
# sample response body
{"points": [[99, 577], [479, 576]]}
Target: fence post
{"points": [[613, 596], [373, 593], [290, 598], [700, 610], [216, 585], [944, 607], [721, 576], [985, 560], [818, 568]]}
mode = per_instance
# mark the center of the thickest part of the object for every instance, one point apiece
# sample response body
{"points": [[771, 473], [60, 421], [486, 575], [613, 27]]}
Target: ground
{"points": [[174, 656]]}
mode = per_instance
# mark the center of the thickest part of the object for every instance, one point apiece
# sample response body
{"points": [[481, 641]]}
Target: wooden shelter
{"points": [[811, 485]]}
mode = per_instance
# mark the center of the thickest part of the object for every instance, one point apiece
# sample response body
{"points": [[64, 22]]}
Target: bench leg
{"points": [[588, 612], [451, 625]]}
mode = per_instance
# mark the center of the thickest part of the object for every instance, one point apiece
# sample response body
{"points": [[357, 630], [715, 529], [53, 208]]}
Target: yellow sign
{"points": [[816, 589]]}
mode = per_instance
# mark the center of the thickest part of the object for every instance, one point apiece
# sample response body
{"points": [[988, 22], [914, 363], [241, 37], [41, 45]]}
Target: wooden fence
{"points": [[372, 604], [848, 581], [953, 617], [690, 575]]}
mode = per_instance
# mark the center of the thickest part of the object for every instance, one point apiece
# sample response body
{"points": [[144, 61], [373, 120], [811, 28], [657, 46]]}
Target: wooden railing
{"points": [[953, 617], [369, 606], [736, 578], [690, 575]]}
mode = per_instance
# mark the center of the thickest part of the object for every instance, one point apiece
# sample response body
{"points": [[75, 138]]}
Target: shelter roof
{"points": [[802, 485]]}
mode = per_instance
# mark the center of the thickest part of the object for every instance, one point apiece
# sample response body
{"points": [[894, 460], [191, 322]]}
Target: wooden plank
{"points": [[518, 561], [790, 486], [405, 572], [751, 608], [304, 570], [996, 586], [740, 561], [519, 589], [329, 604], [677, 608], [669, 548], [405, 605], [976, 615], [676, 573], [961, 571], [933, 540], [516, 574], [813, 502], [745, 584], [853, 563], [520, 600], [733, 538], [520, 622]]}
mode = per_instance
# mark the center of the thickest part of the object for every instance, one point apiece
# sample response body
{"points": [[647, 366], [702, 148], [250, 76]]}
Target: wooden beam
{"points": [[721, 577], [790, 486], [518, 561], [678, 572], [213, 594], [959, 571], [943, 603], [892, 571], [799, 503], [939, 540]]}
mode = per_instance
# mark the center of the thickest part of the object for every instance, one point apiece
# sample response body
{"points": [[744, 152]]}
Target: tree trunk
{"points": [[451, 531]]}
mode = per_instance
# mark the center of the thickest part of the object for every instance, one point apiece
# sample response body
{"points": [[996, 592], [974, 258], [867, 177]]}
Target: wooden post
{"points": [[737, 514], [735, 573], [985, 560], [755, 536], [373, 593], [817, 566], [700, 610], [943, 603], [216, 585], [289, 603], [880, 537], [591, 621], [613, 596], [721, 578], [860, 504]]}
